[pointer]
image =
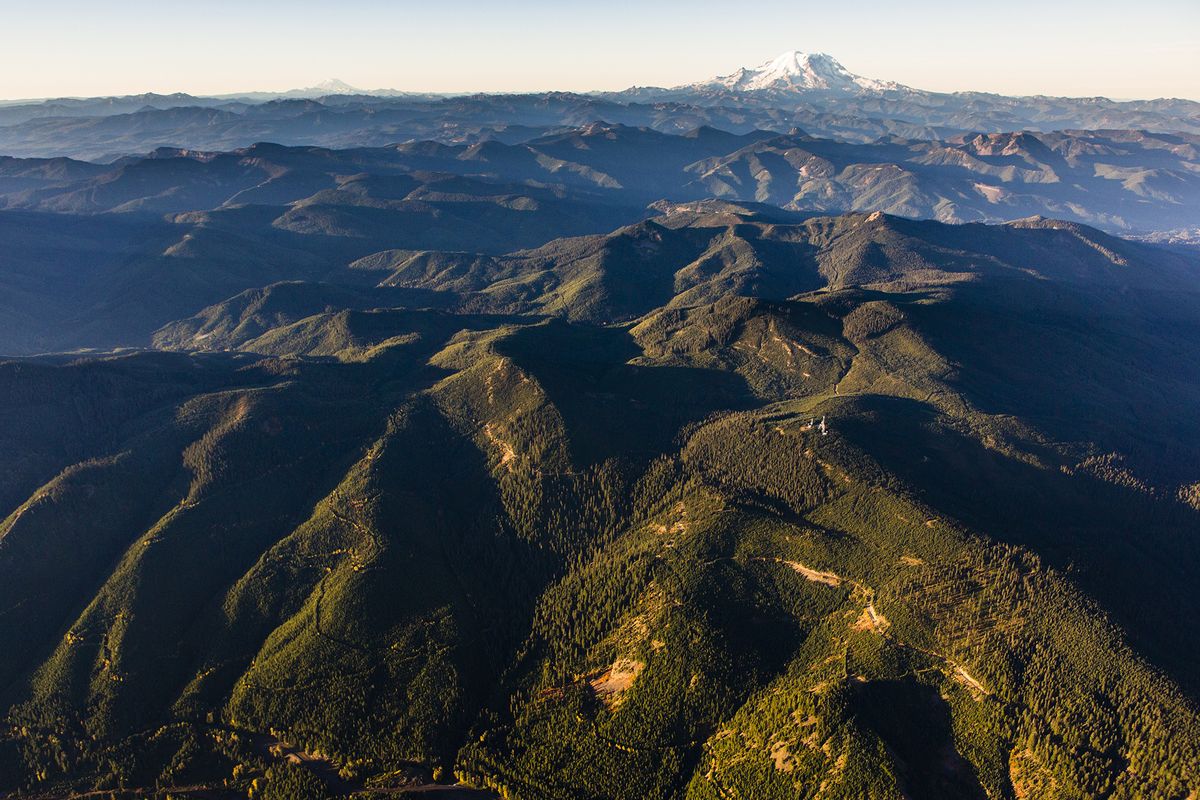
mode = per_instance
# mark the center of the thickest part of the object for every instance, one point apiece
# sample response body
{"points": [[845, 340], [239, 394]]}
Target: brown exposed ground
{"points": [[611, 685], [508, 453], [817, 576], [871, 620]]}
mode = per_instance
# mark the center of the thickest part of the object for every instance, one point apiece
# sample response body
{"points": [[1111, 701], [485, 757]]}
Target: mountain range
{"points": [[646, 446], [812, 92], [721, 501]]}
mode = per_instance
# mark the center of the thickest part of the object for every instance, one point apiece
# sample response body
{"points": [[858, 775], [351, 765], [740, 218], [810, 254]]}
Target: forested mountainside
{"points": [[1115, 179], [102, 256], [727, 502]]}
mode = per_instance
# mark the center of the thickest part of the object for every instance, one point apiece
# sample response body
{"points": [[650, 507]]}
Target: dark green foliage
{"points": [[289, 782], [557, 559]]}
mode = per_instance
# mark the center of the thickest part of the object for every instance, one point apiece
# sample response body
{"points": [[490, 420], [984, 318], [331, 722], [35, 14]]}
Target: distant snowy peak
{"points": [[328, 88], [798, 71], [335, 86]]}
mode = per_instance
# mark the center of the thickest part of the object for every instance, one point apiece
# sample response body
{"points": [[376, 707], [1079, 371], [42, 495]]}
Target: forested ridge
{"points": [[716, 505]]}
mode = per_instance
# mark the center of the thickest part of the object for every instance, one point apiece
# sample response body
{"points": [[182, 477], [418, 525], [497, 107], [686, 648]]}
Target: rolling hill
{"points": [[103, 256], [1120, 180]]}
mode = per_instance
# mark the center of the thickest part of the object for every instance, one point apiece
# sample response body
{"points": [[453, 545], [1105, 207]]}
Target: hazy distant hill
{"points": [[101, 256], [1119, 180], [107, 260], [812, 92]]}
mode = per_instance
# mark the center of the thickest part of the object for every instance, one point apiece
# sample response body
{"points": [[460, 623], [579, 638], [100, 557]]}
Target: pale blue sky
{"points": [[1149, 48]]}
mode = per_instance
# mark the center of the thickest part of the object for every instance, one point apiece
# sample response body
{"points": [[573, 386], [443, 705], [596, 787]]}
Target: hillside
{"points": [[726, 502], [104, 256], [1116, 179]]}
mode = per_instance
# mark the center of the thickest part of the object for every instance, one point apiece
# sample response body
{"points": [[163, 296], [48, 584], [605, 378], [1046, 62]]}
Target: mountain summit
{"points": [[332, 86], [797, 71], [336, 86]]}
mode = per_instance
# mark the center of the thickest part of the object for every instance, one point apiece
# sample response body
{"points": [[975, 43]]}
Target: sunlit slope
{"points": [[918, 521]]}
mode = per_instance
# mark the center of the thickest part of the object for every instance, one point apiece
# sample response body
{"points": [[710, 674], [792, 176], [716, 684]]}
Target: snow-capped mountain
{"points": [[335, 87], [820, 96], [796, 71]]}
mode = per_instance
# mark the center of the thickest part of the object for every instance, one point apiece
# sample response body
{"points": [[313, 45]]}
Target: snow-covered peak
{"points": [[328, 88], [335, 86], [795, 71]]}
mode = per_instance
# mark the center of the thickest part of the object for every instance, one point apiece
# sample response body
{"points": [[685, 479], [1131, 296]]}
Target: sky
{"points": [[56, 48]]}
